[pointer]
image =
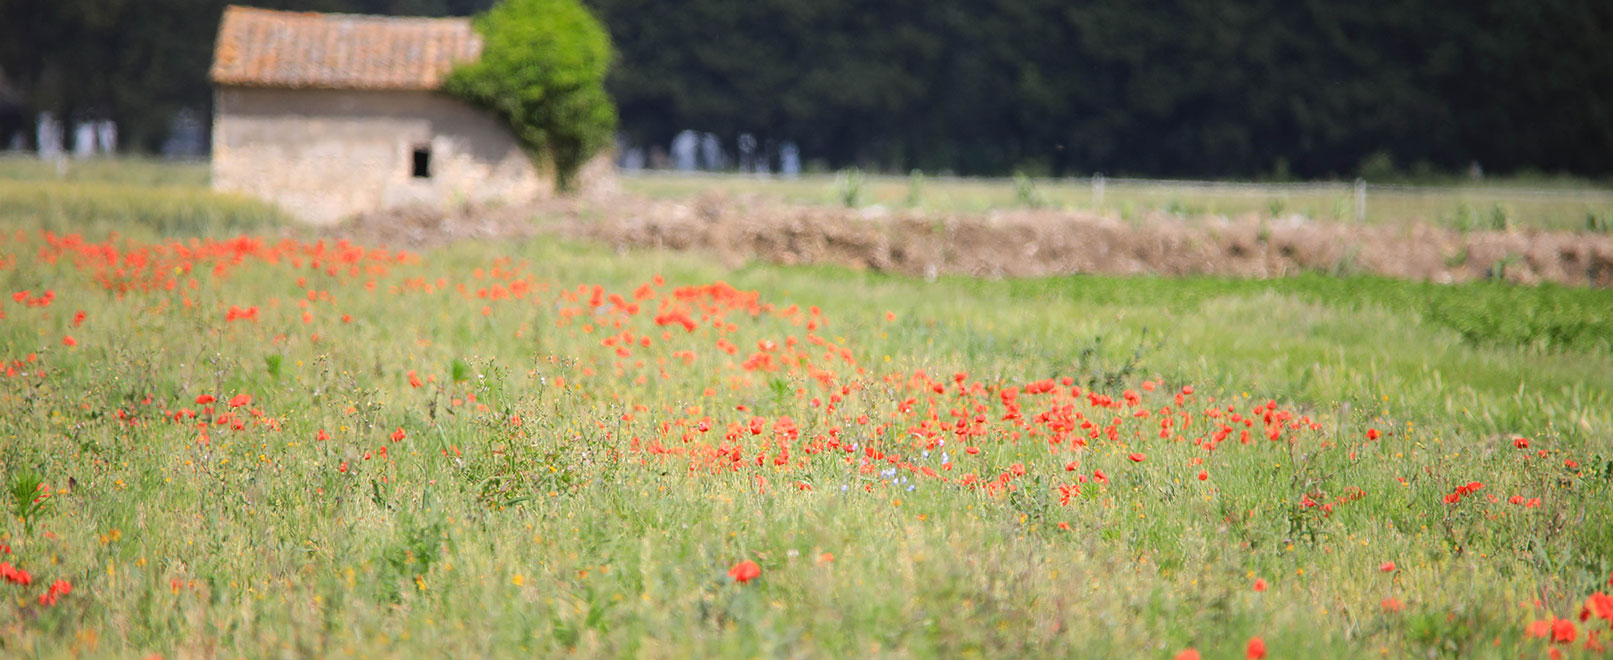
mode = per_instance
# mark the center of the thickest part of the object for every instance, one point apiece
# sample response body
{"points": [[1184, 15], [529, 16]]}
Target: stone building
{"points": [[331, 115]]}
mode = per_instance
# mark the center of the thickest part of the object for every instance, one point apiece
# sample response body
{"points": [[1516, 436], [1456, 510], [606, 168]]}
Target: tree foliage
{"points": [[542, 70], [1211, 88], [1176, 88]]}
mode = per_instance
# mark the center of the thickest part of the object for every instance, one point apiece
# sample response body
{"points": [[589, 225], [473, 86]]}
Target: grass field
{"points": [[219, 446], [1557, 204], [1550, 204]]}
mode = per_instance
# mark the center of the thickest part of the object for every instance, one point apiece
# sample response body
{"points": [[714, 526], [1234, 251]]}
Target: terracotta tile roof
{"points": [[266, 48]]}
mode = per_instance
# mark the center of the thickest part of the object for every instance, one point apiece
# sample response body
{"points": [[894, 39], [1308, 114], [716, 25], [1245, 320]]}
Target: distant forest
{"points": [[1211, 88]]}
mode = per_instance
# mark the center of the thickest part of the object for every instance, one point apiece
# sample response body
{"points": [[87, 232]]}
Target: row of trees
{"points": [[1179, 88]]}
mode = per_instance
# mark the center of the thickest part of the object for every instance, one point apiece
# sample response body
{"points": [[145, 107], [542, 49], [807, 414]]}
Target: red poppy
{"points": [[1387, 567], [1392, 604], [14, 575], [399, 434], [240, 400], [1372, 434], [57, 589], [205, 399], [745, 571], [1137, 457], [1540, 628], [1203, 475], [1188, 654], [69, 341], [1260, 584], [1256, 649], [1563, 631]]}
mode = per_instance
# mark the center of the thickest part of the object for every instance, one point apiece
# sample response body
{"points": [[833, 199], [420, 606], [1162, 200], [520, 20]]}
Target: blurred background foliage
{"points": [[1224, 88]]}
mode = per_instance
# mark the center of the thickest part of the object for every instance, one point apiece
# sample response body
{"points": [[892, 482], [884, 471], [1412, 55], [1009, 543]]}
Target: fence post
{"points": [[1097, 190], [1360, 200]]}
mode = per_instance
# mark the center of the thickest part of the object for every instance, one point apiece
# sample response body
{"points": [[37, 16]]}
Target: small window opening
{"points": [[422, 163]]}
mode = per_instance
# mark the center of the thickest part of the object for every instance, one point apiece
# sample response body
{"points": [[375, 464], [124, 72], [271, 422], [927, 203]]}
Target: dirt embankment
{"points": [[1028, 243]]}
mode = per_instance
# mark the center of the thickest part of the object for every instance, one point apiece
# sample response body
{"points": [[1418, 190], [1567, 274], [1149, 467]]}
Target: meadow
{"points": [[225, 437], [1544, 203]]}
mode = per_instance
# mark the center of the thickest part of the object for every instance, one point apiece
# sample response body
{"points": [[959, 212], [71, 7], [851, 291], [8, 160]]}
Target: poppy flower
{"points": [[745, 571], [69, 341], [1203, 475], [1563, 631], [240, 400], [1188, 654], [1540, 628], [1372, 434], [14, 575], [1392, 604], [1256, 650], [399, 435], [1387, 567], [1260, 584], [1137, 457], [57, 589], [205, 399]]}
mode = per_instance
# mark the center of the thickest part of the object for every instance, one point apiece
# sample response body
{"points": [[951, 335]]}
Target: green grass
{"points": [[131, 170], [560, 536], [103, 207], [1570, 206], [567, 533]]}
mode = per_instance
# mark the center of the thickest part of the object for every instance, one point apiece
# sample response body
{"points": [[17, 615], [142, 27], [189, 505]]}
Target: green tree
{"points": [[543, 71]]}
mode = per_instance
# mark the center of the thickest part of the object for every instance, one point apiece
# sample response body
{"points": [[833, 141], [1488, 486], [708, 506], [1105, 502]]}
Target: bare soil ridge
{"points": [[1023, 242]]}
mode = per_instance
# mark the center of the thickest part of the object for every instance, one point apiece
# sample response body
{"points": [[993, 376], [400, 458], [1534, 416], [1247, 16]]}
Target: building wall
{"points": [[325, 155]]}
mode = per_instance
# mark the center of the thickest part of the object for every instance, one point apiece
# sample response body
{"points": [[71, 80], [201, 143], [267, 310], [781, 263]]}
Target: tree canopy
{"points": [[542, 70], [1220, 88], [1216, 88]]}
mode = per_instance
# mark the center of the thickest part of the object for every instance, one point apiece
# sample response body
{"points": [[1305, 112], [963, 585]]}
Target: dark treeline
{"points": [[1221, 88], [1200, 88]]}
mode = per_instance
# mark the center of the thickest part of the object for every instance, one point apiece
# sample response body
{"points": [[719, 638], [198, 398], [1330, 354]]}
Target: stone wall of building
{"points": [[325, 155]]}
